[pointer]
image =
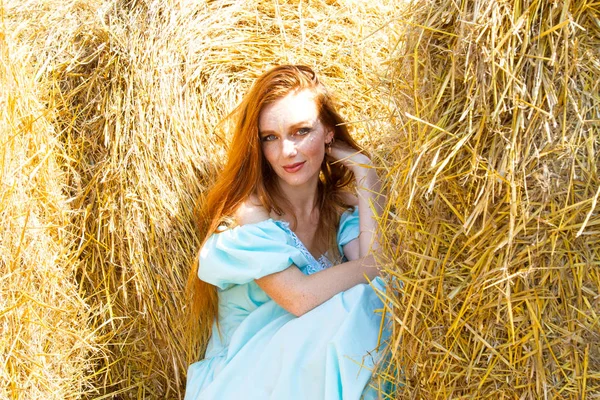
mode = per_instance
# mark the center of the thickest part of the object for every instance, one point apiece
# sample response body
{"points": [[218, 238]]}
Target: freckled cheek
{"points": [[312, 148], [270, 154]]}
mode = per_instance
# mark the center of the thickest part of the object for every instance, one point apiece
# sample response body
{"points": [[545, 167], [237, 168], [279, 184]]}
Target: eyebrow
{"points": [[293, 127]]}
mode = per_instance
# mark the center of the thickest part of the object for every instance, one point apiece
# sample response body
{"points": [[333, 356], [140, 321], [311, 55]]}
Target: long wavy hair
{"points": [[248, 172]]}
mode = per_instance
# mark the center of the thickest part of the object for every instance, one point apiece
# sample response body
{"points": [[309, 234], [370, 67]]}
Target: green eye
{"points": [[303, 131]]}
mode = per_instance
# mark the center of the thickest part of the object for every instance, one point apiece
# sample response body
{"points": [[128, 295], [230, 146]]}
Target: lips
{"points": [[291, 168]]}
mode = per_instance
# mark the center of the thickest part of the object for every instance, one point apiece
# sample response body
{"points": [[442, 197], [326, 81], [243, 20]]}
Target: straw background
{"points": [[44, 332], [494, 200], [483, 116]]}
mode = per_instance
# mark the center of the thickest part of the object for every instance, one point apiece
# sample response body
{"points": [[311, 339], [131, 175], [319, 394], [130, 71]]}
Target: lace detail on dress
{"points": [[314, 265]]}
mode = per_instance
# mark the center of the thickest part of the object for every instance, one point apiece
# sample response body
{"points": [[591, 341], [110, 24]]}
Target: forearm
{"points": [[370, 205], [323, 285], [299, 293], [369, 193]]}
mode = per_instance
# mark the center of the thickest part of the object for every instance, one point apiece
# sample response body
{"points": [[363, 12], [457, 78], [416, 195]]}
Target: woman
{"points": [[288, 254]]}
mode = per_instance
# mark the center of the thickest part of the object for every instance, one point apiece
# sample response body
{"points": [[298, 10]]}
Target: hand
{"points": [[340, 152], [369, 266]]}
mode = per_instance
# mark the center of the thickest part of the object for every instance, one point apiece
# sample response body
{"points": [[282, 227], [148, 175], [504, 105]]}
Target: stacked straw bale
{"points": [[45, 339], [494, 200], [127, 97]]}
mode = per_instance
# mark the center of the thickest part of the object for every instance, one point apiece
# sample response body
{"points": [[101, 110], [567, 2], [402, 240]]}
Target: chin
{"points": [[297, 181]]}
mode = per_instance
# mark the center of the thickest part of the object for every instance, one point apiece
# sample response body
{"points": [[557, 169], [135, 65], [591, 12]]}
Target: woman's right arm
{"points": [[299, 293]]}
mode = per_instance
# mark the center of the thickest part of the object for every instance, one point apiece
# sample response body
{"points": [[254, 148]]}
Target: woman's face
{"points": [[293, 138]]}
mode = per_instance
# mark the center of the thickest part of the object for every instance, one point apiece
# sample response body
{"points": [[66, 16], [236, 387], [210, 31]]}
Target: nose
{"points": [[289, 148]]}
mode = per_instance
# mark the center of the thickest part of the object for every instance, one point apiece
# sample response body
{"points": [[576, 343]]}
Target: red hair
{"points": [[247, 172]]}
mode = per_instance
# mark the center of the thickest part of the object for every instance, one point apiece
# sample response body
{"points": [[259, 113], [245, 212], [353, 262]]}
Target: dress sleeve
{"points": [[349, 228], [239, 255]]}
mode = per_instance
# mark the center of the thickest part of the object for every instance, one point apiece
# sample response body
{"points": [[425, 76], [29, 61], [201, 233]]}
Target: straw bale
{"points": [[138, 90], [494, 205], [45, 337]]}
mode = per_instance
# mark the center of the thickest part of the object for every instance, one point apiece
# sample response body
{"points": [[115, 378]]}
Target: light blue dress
{"points": [[260, 351]]}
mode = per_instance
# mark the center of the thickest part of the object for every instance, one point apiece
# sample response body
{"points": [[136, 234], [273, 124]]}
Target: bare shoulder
{"points": [[250, 211], [349, 198]]}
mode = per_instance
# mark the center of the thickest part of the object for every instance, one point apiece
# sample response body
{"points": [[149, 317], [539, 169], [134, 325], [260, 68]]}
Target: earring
{"points": [[329, 144]]}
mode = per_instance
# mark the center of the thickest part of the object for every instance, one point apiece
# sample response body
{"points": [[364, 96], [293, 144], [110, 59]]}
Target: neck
{"points": [[301, 199]]}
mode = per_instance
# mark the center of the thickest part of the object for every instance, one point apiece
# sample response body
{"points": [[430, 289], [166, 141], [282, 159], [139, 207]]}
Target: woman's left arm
{"points": [[370, 196], [370, 205]]}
